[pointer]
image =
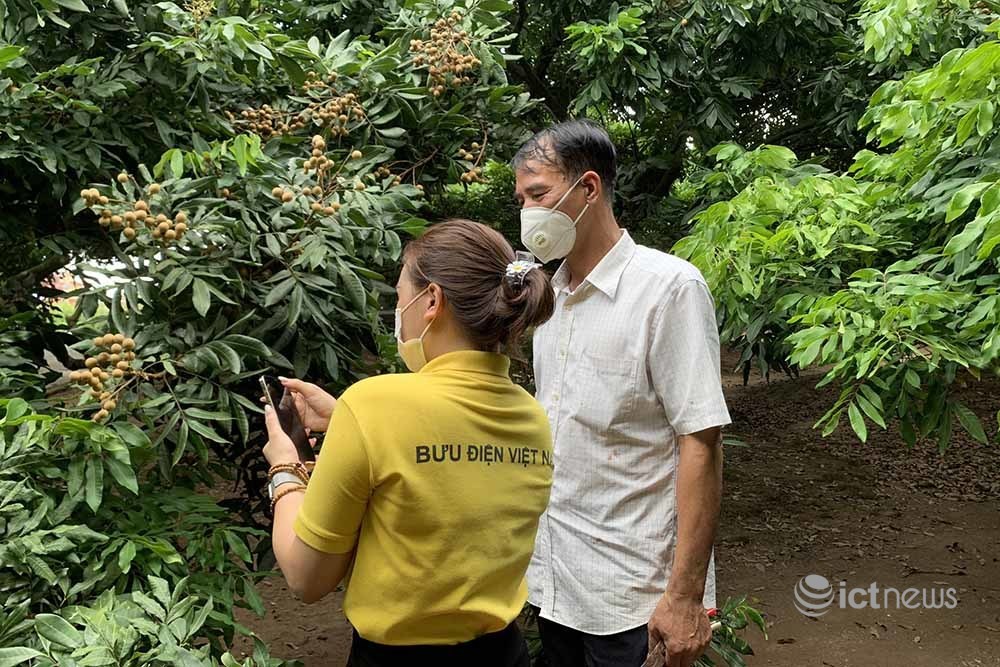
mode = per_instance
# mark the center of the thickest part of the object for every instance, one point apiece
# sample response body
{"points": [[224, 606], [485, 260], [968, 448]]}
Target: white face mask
{"points": [[548, 232], [411, 351]]}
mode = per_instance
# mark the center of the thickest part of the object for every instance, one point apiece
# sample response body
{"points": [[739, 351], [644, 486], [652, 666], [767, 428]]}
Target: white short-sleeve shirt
{"points": [[628, 361]]}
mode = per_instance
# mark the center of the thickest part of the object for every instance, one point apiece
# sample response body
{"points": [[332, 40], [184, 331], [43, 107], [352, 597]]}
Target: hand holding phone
{"points": [[283, 404]]}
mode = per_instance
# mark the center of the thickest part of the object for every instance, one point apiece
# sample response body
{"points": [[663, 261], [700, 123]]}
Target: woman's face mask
{"points": [[548, 232], [411, 351]]}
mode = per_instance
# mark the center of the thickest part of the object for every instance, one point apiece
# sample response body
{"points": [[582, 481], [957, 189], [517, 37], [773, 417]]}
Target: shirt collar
{"points": [[608, 272], [473, 361]]}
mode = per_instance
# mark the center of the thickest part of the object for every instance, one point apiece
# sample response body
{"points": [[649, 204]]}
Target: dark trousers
{"points": [[505, 648], [566, 647]]}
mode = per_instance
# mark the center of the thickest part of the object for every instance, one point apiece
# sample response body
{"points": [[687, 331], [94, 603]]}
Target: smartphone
{"points": [[283, 404]]}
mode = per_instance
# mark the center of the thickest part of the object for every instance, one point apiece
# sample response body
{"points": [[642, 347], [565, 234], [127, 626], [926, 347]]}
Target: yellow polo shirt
{"points": [[438, 479]]}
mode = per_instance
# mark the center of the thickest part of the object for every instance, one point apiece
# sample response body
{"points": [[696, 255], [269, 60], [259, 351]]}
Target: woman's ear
{"points": [[435, 302]]}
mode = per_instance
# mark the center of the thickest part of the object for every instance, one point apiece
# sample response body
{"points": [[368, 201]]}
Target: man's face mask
{"points": [[548, 232], [411, 351]]}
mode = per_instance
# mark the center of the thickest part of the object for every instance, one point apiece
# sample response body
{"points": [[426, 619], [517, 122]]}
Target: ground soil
{"points": [[797, 504]]}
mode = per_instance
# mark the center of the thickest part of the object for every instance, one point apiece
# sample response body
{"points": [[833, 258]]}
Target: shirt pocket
{"points": [[605, 389]]}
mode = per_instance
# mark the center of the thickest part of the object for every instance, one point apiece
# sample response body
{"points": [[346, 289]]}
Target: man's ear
{"points": [[592, 186]]}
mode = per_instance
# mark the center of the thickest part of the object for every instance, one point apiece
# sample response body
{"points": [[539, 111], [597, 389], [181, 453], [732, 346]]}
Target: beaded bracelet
{"points": [[281, 493], [300, 470]]}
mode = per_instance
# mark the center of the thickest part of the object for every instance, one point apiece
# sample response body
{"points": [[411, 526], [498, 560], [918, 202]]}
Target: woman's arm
{"points": [[311, 574]]}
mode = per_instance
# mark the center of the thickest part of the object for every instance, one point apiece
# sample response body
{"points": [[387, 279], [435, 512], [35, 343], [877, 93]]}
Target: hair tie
{"points": [[518, 269]]}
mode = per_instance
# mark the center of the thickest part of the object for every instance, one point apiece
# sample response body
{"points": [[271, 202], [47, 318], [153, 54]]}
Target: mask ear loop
{"points": [[566, 194], [429, 283]]}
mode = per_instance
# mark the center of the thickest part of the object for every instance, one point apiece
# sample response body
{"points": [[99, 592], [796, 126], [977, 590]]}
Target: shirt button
{"points": [[555, 396]]}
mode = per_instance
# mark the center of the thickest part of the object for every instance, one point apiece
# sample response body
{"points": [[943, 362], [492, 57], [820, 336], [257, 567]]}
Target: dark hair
{"points": [[573, 147], [468, 260]]}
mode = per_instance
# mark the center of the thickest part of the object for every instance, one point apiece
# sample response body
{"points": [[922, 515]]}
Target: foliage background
{"points": [[830, 166]]}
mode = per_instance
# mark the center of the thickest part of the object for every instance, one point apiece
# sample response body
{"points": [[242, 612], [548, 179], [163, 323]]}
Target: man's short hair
{"points": [[573, 147]]}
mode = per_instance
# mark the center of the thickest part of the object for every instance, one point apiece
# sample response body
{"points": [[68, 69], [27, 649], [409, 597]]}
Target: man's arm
{"points": [[679, 620], [699, 499], [684, 366]]}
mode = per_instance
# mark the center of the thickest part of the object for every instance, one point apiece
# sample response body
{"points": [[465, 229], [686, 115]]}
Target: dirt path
{"points": [[796, 504]]}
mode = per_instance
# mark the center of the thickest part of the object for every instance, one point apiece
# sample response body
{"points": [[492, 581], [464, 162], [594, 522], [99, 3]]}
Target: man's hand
{"points": [[683, 627]]}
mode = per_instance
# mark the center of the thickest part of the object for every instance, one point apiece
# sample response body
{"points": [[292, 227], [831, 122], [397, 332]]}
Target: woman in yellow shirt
{"points": [[427, 492]]}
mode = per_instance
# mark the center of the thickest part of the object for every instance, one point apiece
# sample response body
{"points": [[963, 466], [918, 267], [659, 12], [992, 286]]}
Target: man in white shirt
{"points": [[628, 372]]}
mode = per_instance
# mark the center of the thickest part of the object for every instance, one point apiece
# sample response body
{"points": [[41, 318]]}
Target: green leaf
{"points": [[126, 556], [985, 123], [9, 54], [857, 422], [198, 413], [94, 483], [123, 474], [240, 153], [202, 297], [295, 306], [58, 630], [967, 125], [279, 292], [150, 605], [393, 132], [207, 431], [131, 434], [160, 589], [961, 200], [355, 290], [971, 423], [227, 355], [237, 546], [966, 237], [75, 5], [202, 616], [182, 437], [177, 163], [9, 657], [870, 410], [74, 479], [246, 345]]}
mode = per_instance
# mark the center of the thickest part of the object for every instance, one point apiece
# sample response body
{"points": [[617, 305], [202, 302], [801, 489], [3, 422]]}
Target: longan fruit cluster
{"points": [[446, 64], [166, 229], [311, 191], [128, 219], [336, 113], [318, 161], [92, 197], [384, 172], [319, 207], [475, 173], [316, 82], [112, 362], [267, 122]]}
